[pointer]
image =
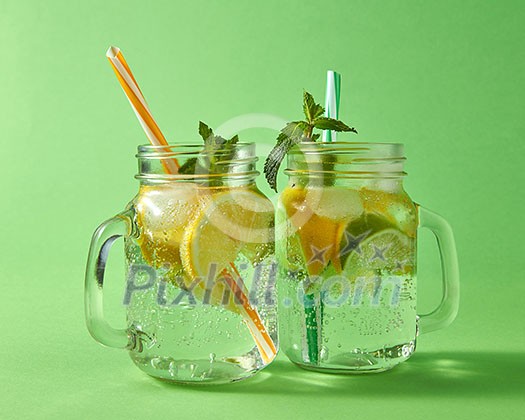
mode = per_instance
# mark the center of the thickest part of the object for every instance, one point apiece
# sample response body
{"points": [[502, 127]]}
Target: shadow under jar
{"points": [[346, 234], [199, 253]]}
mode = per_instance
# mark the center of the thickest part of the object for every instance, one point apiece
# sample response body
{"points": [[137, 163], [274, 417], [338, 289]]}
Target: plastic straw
{"points": [[264, 342], [262, 339], [139, 105], [313, 303], [332, 100]]}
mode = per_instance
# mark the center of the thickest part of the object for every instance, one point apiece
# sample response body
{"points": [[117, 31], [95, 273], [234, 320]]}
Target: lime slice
{"points": [[359, 230], [396, 207], [389, 251]]}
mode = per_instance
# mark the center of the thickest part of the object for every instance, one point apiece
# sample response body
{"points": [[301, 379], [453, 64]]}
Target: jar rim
{"points": [[346, 160], [236, 165], [171, 149], [385, 149]]}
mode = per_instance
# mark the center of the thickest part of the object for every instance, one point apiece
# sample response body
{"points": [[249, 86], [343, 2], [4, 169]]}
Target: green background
{"points": [[444, 77]]}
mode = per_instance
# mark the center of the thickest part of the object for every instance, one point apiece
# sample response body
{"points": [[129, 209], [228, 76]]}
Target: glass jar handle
{"points": [[447, 310], [103, 238]]}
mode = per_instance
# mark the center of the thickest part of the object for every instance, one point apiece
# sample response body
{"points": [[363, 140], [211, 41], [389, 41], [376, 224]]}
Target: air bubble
{"points": [[323, 353]]}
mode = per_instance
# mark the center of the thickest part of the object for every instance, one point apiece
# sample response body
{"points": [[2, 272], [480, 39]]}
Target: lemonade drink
{"points": [[200, 269], [347, 279]]}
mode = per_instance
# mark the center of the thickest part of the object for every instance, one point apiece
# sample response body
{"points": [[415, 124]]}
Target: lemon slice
{"points": [[226, 223], [162, 212], [242, 214], [319, 235]]}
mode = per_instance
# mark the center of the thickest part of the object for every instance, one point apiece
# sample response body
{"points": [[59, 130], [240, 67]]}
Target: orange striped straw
{"points": [[253, 321], [139, 105]]}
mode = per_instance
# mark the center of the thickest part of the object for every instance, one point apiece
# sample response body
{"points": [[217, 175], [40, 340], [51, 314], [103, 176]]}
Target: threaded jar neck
{"points": [[231, 165], [347, 160], [346, 163]]}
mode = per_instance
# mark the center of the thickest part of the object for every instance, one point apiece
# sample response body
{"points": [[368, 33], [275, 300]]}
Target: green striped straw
{"points": [[313, 303], [332, 100]]}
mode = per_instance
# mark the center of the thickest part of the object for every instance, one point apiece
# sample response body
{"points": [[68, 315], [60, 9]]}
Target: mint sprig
{"points": [[300, 131], [217, 154]]}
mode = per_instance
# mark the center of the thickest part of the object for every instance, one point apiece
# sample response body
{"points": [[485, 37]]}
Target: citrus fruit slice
{"points": [[397, 207], [226, 223], [243, 214], [388, 250], [162, 212], [318, 215]]}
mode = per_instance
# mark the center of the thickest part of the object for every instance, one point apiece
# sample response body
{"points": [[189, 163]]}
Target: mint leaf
{"points": [[289, 136], [302, 131], [275, 158], [295, 130], [189, 167], [227, 151], [216, 158], [205, 132], [310, 108], [325, 123]]}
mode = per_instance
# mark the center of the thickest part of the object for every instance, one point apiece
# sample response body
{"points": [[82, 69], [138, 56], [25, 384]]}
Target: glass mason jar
{"points": [[346, 253], [200, 270]]}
